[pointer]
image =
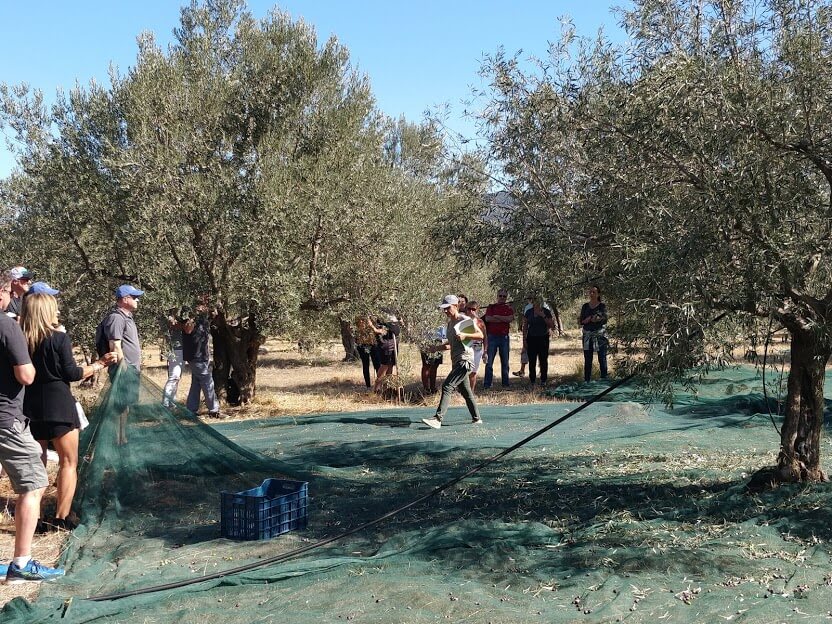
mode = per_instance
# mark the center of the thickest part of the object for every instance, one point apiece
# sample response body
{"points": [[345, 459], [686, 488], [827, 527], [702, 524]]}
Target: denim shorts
{"points": [[20, 458]]}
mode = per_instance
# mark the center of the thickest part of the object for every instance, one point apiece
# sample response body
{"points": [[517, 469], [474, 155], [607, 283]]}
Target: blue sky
{"points": [[418, 55]]}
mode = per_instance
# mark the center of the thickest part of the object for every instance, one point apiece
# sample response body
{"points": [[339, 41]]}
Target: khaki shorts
{"points": [[20, 458]]}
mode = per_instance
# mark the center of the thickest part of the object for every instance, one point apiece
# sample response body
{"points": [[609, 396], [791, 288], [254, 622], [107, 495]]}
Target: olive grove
{"points": [[689, 170], [247, 161]]}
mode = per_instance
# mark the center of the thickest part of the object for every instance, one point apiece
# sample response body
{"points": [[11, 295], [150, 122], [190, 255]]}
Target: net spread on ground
{"points": [[627, 512]]}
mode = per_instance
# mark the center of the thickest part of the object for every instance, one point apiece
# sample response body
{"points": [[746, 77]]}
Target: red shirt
{"points": [[498, 328]]}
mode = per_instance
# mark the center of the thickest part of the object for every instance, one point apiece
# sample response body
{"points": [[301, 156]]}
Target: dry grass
{"points": [[291, 383], [47, 548]]}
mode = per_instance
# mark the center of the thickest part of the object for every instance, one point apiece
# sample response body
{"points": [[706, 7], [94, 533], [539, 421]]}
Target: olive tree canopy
{"points": [[690, 170], [247, 161]]}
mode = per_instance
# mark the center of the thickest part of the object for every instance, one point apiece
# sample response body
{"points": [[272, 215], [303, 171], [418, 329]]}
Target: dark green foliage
{"points": [[247, 161]]}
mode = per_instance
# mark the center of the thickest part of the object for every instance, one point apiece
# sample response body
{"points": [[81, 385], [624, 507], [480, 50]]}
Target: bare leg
{"points": [[26, 514], [383, 371], [67, 448]]}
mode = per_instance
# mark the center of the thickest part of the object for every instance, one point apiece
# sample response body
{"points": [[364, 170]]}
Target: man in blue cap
{"points": [[117, 332]]}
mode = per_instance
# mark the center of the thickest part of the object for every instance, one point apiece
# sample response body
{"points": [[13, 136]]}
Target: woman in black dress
{"points": [[48, 402]]}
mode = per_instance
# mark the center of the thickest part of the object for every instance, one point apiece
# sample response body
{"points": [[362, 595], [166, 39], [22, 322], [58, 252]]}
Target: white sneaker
{"points": [[433, 423], [478, 421]]}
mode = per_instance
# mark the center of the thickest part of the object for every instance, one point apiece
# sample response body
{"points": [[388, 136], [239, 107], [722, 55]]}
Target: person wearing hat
{"points": [[21, 276], [48, 403], [117, 330], [19, 453], [117, 333], [462, 363], [42, 288]]}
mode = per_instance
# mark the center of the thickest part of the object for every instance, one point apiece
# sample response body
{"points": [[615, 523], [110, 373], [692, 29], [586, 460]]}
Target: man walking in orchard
{"points": [[462, 363]]}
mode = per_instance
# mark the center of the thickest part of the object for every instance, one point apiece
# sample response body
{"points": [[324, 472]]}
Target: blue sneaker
{"points": [[33, 572], [3, 569]]}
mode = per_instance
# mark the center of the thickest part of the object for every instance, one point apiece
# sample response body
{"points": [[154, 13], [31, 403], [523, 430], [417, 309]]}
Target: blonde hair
{"points": [[38, 318]]}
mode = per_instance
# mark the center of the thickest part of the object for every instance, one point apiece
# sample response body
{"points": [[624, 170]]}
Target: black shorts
{"points": [[387, 358], [43, 431]]}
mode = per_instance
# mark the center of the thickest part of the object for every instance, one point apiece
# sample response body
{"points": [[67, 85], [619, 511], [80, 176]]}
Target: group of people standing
{"points": [[37, 408], [537, 325], [492, 340], [492, 332]]}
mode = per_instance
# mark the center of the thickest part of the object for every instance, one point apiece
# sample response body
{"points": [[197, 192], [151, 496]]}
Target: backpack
{"points": [[102, 345]]}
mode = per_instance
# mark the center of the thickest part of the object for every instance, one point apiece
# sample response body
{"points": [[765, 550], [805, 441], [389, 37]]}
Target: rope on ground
{"points": [[441, 488]]}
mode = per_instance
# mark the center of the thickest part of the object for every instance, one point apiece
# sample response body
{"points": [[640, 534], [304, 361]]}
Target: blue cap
{"points": [[126, 290], [42, 288]]}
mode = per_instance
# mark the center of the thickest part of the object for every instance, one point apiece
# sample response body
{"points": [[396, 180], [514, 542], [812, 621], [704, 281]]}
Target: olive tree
{"points": [[246, 161], [690, 168]]}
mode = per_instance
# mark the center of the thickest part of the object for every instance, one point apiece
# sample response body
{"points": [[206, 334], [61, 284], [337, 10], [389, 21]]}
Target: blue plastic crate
{"points": [[273, 508]]}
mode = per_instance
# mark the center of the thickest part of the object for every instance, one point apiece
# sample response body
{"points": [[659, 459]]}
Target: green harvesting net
{"points": [[625, 512]]}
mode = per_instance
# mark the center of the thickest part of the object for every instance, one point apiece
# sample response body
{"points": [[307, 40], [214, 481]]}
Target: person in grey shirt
{"points": [[462, 363], [117, 332]]}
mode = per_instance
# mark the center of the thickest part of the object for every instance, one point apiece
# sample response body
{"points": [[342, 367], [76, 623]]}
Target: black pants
{"points": [[602, 362], [537, 348], [368, 354]]}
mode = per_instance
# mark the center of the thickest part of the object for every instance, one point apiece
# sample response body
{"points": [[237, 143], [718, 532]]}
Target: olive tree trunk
{"points": [[799, 458], [348, 340], [236, 347]]}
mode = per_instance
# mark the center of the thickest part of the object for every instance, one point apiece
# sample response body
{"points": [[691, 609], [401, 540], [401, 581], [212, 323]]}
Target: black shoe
{"points": [[66, 524]]}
